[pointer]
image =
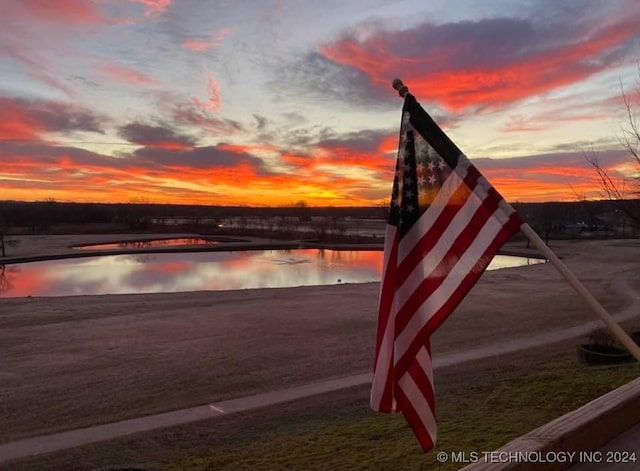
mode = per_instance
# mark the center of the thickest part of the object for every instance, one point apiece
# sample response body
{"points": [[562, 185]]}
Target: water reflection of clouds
{"points": [[21, 282], [195, 271]]}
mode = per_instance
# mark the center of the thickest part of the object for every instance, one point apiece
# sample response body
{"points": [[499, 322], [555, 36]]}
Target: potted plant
{"points": [[601, 349]]}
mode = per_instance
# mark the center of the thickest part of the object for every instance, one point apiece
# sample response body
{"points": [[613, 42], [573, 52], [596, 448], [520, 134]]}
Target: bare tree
{"points": [[623, 191], [137, 213], [631, 136], [301, 210], [3, 235]]}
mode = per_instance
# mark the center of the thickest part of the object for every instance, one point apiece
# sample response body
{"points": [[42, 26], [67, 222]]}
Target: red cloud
{"points": [[28, 120], [454, 68], [17, 124]]}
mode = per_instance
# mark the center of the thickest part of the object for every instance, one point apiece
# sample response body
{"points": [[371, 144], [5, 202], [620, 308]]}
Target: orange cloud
{"points": [[67, 174], [552, 177], [350, 171], [235, 186], [528, 190]]}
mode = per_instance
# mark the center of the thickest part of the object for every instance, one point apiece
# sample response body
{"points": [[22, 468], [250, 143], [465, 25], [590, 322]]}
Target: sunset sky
{"points": [[269, 102]]}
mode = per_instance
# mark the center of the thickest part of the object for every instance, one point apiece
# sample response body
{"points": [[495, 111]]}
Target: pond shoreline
{"points": [[70, 250]]}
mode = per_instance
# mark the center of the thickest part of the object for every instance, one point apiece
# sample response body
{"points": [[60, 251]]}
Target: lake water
{"points": [[195, 271], [147, 244]]}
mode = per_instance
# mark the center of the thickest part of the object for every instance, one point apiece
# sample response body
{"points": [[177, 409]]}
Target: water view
{"points": [[196, 271], [147, 244]]}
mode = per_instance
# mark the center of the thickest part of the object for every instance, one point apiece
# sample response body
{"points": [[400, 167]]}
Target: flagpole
{"points": [[582, 291], [613, 326]]}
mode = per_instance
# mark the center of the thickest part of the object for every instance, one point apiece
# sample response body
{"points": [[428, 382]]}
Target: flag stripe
{"points": [[456, 240], [421, 373], [431, 315], [503, 236], [426, 440], [415, 395], [425, 278], [424, 359], [381, 398], [425, 305], [437, 242]]}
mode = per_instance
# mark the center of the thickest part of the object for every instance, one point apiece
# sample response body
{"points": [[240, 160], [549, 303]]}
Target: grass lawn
{"points": [[83, 360], [481, 405]]}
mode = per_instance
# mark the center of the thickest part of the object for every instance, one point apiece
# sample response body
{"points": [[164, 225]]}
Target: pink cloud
{"points": [[562, 111], [128, 75], [546, 120], [196, 44], [154, 7], [36, 65], [214, 101], [61, 11]]}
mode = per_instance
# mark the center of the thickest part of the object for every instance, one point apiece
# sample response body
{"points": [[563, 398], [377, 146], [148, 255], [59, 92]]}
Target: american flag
{"points": [[445, 224]]}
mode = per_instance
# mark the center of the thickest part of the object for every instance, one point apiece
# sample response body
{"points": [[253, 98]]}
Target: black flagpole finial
{"points": [[401, 87]]}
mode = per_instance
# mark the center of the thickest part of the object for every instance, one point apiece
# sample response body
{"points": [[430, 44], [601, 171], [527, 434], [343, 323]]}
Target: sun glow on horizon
{"points": [[215, 110]]}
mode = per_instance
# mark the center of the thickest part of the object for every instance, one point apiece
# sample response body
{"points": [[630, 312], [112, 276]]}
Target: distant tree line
{"points": [[41, 216], [550, 220]]}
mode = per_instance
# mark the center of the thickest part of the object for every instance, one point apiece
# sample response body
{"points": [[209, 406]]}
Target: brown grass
{"points": [[481, 405], [77, 361]]}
